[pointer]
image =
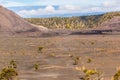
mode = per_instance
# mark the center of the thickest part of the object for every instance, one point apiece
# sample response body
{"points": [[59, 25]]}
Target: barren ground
{"points": [[55, 62]]}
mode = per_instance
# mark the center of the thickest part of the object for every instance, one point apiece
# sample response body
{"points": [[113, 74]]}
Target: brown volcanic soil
{"points": [[11, 23], [55, 62]]}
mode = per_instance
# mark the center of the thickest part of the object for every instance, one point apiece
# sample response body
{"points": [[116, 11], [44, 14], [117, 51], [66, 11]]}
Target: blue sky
{"points": [[64, 6], [51, 2]]}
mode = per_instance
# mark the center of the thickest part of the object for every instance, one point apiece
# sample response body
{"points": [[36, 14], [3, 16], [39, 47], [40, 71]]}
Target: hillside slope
{"points": [[11, 23], [110, 21]]}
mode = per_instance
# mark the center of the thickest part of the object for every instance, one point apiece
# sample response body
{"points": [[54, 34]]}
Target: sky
{"points": [[64, 6]]}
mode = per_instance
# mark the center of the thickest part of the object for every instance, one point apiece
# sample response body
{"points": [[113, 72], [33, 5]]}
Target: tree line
{"points": [[79, 22]]}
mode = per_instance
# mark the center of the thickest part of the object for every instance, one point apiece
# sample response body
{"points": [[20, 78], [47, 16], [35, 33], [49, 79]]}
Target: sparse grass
{"points": [[59, 46]]}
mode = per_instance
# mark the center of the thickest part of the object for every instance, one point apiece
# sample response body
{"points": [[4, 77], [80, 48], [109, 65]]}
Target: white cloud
{"points": [[111, 3], [10, 3], [95, 8], [65, 6], [49, 9], [59, 2], [29, 13], [70, 7], [106, 6]]}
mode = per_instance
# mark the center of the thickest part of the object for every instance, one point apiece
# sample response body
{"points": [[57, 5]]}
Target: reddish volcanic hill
{"points": [[113, 24], [110, 21], [11, 23]]}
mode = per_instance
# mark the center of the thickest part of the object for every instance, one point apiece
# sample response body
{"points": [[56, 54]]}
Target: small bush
{"points": [[117, 75], [36, 66], [92, 43], [76, 60], [91, 74], [40, 48], [89, 60], [8, 74], [13, 64], [83, 43]]}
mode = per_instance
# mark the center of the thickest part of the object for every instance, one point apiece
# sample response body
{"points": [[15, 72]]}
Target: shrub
{"points": [[89, 60], [36, 66], [76, 60], [117, 75], [8, 74], [13, 64], [92, 43], [91, 74], [40, 48]]}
